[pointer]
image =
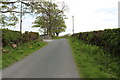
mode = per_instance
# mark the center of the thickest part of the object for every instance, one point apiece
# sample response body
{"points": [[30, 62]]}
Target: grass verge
{"points": [[93, 62], [57, 38], [20, 52]]}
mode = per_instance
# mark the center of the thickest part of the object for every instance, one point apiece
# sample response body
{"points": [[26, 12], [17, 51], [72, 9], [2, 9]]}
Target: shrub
{"points": [[10, 37], [33, 35], [108, 39], [25, 37], [28, 36]]}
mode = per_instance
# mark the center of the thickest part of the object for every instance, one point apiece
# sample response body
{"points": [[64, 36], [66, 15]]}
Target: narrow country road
{"points": [[52, 61]]}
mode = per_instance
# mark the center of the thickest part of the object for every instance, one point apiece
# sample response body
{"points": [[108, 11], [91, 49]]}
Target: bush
{"points": [[25, 37], [33, 35], [28, 36], [10, 37], [108, 39]]}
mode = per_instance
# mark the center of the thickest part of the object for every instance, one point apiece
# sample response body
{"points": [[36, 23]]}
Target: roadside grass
{"points": [[57, 37], [20, 52], [94, 62], [62, 37]]}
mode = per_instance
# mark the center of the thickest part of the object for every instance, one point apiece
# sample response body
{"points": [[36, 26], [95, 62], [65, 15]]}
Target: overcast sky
{"points": [[89, 15]]}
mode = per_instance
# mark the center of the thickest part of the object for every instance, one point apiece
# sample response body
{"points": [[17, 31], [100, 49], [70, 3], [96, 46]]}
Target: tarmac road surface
{"points": [[52, 61]]}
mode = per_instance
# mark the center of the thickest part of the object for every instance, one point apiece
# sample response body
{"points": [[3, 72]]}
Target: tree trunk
{"points": [[57, 34]]}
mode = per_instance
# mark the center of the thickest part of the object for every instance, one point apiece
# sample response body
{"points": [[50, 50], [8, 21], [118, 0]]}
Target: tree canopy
{"points": [[50, 19], [7, 16], [11, 10]]}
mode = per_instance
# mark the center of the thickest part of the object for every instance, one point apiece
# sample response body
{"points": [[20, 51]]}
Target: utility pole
{"points": [[21, 17], [51, 1], [73, 23]]}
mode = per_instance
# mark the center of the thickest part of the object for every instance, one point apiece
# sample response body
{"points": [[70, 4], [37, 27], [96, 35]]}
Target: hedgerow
{"points": [[28, 36], [10, 37], [108, 39]]}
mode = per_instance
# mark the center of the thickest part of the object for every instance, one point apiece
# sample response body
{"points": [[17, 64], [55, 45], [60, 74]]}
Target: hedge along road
{"points": [[52, 61]]}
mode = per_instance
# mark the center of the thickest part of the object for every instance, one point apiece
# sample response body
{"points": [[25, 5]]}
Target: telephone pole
{"points": [[21, 17], [73, 23]]}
